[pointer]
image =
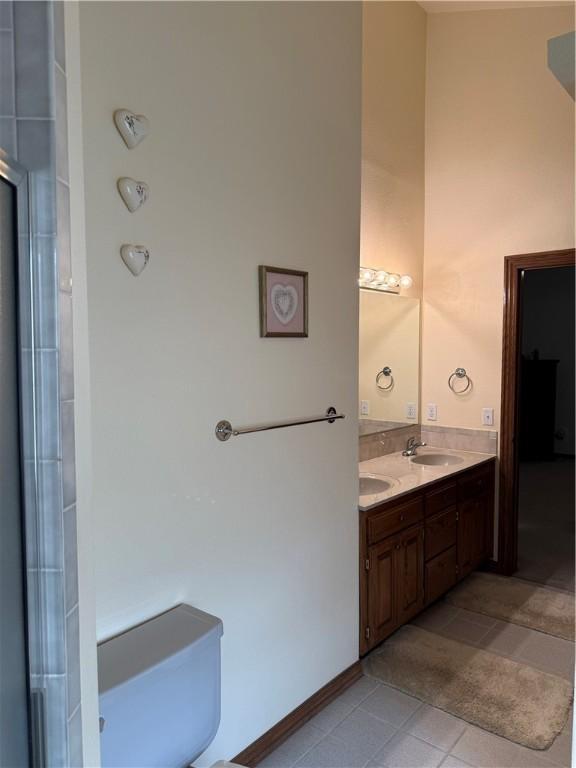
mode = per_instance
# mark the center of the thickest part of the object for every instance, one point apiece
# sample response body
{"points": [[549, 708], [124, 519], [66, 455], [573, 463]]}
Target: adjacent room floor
{"points": [[546, 523], [374, 725]]}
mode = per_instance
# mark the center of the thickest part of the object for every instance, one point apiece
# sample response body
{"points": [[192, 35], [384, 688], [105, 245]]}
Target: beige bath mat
{"points": [[518, 602], [500, 695]]}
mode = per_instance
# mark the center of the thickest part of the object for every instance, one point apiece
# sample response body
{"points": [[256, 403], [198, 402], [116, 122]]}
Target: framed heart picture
{"points": [[283, 302]]}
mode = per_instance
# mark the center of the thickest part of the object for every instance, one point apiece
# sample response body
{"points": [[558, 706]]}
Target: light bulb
{"points": [[366, 275], [381, 277], [406, 281], [393, 281]]}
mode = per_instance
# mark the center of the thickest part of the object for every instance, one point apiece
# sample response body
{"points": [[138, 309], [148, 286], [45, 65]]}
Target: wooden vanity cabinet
{"points": [[414, 549], [395, 568]]}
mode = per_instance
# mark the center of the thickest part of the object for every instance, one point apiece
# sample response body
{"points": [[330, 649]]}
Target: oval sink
{"points": [[437, 459], [370, 484]]}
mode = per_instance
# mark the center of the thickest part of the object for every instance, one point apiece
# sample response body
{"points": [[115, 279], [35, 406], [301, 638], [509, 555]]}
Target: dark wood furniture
{"points": [[414, 548]]}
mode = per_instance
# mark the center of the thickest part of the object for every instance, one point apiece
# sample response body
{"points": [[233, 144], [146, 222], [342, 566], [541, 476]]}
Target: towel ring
{"points": [[459, 373], [387, 372]]}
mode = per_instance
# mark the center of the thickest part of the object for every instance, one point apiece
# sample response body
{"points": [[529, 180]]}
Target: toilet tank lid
{"points": [[140, 648]]}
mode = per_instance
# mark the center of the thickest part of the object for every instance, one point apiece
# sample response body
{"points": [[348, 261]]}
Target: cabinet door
{"points": [[382, 610], [410, 573], [472, 534], [441, 574], [441, 532]]}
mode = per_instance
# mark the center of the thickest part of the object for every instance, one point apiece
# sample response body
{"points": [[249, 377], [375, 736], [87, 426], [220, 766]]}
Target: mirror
{"points": [[389, 339]]}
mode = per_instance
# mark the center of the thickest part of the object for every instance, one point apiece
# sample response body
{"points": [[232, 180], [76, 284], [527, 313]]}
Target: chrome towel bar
{"points": [[224, 430], [387, 372], [459, 373]]}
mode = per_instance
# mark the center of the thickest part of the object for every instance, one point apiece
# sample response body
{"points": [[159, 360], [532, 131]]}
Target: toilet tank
{"points": [[159, 690]]}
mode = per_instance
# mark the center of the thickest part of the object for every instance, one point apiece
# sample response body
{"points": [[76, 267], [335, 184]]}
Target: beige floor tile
{"points": [[293, 748], [454, 762], [506, 639], [329, 717], [390, 705], [535, 758], [551, 654], [333, 753], [361, 729], [560, 752], [481, 748], [436, 617], [461, 628], [436, 727], [359, 691], [406, 751], [478, 618]]}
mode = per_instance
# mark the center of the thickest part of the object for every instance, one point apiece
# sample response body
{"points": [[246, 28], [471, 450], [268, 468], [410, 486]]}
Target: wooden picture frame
{"points": [[283, 302]]}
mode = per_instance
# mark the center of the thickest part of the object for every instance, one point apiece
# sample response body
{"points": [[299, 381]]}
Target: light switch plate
{"points": [[432, 412], [411, 411], [488, 417], [365, 407]]}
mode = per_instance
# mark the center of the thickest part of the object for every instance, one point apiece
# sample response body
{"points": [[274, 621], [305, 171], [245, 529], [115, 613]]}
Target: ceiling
{"points": [[450, 6]]}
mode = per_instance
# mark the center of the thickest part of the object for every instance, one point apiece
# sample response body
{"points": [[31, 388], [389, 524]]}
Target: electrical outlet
{"points": [[488, 417], [365, 407], [432, 412], [411, 411]]}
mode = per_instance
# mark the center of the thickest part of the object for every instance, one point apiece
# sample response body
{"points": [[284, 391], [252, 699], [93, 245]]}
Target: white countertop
{"points": [[407, 476]]}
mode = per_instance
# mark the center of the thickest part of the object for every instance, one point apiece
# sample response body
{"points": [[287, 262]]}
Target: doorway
{"points": [[536, 527]]}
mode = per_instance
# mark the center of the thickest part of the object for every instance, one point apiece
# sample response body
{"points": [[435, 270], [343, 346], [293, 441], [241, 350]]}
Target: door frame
{"points": [[514, 266]]}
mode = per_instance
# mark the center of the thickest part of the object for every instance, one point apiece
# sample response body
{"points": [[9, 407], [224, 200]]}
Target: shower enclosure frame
{"points": [[40, 640], [18, 178]]}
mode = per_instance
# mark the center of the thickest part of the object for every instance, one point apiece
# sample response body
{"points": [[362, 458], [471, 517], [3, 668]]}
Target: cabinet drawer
{"points": [[392, 520], [474, 483], [444, 497], [441, 574], [441, 532]]}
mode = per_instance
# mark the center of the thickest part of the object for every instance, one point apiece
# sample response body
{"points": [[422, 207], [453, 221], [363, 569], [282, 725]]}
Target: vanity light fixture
{"points": [[379, 280]]}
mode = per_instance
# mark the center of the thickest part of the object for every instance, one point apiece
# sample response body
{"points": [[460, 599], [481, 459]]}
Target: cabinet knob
{"points": [[401, 518]]}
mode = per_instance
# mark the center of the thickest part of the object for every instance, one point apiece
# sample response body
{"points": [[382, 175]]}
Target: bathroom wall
{"points": [[393, 81], [499, 181], [253, 158]]}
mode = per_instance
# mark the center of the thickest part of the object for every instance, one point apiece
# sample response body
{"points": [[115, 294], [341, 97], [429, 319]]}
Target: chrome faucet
{"points": [[411, 445]]}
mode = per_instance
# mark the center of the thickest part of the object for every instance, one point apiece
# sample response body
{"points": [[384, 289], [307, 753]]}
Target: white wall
{"points": [[393, 81], [82, 405], [253, 158], [499, 181]]}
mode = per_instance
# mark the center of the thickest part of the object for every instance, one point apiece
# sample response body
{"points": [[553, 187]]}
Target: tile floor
{"points": [[374, 725]]}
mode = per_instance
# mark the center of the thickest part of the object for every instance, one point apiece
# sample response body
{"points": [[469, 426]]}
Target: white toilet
{"points": [[159, 688]]}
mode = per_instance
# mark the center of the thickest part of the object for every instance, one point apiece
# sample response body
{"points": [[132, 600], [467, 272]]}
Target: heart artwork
{"points": [[284, 300], [135, 257], [134, 193], [133, 128]]}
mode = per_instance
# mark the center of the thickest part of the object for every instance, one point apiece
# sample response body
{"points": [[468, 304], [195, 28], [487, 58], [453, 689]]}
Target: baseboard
{"points": [[267, 743]]}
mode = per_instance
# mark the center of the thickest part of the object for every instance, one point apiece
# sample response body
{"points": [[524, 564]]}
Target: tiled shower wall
{"points": [[33, 132]]}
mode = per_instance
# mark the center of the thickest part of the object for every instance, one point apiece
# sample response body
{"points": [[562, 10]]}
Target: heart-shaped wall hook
{"points": [[134, 193], [135, 257], [284, 299], [133, 128]]}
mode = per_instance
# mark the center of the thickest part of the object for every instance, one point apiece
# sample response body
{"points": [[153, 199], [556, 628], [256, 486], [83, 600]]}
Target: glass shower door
{"points": [[14, 668]]}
